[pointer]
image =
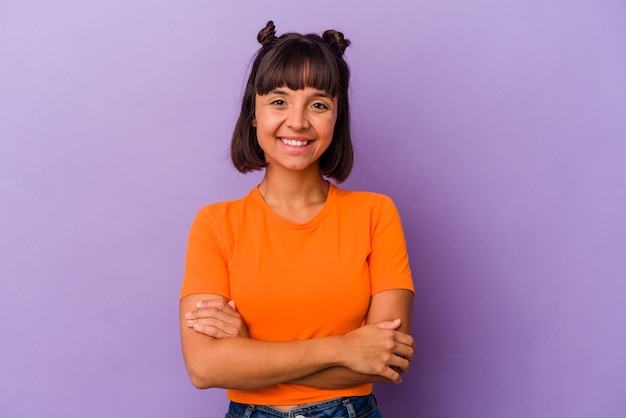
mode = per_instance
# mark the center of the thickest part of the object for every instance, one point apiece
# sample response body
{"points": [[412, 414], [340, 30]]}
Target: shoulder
{"points": [[218, 209], [364, 200], [227, 207], [366, 208], [226, 212]]}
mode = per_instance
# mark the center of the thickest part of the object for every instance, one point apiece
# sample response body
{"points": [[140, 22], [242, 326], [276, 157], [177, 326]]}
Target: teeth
{"points": [[294, 142]]}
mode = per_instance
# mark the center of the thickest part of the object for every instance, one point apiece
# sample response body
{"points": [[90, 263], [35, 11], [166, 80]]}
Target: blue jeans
{"points": [[353, 407]]}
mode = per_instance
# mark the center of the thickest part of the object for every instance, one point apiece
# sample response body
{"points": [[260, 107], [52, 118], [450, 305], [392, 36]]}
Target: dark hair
{"points": [[297, 61]]}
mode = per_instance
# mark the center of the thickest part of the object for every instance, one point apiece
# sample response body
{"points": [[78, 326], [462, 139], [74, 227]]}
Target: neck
{"points": [[293, 189]]}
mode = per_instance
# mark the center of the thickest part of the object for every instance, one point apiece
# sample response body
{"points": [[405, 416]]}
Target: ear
{"points": [[253, 123]]}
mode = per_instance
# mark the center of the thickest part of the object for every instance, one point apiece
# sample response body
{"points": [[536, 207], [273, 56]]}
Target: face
{"points": [[294, 127]]}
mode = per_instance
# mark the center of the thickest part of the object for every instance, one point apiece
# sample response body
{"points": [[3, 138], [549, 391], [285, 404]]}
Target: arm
{"points": [[244, 363], [219, 319], [388, 259], [384, 306]]}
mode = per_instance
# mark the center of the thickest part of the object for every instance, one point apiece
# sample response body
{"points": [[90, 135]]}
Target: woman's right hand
{"points": [[217, 318], [378, 349]]}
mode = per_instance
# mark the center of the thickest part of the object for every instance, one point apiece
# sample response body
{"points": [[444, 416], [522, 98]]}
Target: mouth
{"points": [[295, 142]]}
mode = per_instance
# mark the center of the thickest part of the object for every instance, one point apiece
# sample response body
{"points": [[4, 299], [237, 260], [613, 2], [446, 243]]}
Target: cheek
{"points": [[265, 120], [330, 129], [332, 124]]}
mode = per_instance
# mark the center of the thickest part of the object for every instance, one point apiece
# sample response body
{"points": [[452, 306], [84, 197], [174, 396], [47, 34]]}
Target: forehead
{"points": [[297, 65]]}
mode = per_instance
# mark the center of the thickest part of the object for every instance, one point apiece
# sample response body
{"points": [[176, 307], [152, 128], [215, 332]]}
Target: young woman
{"points": [[297, 297]]}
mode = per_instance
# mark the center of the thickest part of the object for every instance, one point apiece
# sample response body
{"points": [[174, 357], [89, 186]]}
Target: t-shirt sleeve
{"points": [[205, 262], [388, 260]]}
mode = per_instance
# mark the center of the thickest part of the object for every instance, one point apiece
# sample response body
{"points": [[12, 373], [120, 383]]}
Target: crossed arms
{"points": [[219, 352]]}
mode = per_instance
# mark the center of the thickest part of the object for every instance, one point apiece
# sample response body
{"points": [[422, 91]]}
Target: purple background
{"points": [[498, 127]]}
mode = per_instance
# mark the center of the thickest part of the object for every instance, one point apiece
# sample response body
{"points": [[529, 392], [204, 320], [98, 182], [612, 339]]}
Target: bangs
{"points": [[298, 64]]}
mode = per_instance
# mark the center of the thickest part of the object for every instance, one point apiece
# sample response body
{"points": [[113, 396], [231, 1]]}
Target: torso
{"points": [[295, 281]]}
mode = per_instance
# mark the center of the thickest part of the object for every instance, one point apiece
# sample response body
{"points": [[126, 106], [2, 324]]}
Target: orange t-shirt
{"points": [[298, 281]]}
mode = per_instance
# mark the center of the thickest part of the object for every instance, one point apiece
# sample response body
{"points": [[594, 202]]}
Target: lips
{"points": [[295, 142]]}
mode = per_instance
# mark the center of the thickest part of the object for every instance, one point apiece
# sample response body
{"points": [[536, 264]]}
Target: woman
{"points": [[297, 297]]}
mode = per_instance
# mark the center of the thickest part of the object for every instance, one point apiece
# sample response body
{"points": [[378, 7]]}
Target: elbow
{"points": [[199, 383], [201, 380]]}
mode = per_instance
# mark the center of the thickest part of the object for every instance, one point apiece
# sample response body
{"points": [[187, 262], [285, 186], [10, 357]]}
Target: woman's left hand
{"points": [[217, 318]]}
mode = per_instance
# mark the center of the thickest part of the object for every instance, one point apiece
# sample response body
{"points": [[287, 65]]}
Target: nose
{"points": [[298, 118]]}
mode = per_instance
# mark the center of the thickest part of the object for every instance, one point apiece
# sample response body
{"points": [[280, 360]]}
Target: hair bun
{"points": [[336, 38], [267, 34]]}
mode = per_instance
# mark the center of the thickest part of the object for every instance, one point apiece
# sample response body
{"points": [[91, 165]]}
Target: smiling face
{"points": [[292, 65], [294, 127]]}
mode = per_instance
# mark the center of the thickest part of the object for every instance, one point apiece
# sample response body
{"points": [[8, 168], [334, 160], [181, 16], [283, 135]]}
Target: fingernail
{"points": [[198, 304], [189, 322], [188, 315]]}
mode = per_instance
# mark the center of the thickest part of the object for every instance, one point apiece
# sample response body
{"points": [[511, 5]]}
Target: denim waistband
{"points": [[351, 407]]}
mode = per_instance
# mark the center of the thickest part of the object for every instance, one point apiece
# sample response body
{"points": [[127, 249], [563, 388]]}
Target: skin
{"points": [[244, 363], [217, 348], [217, 317], [305, 115], [293, 186]]}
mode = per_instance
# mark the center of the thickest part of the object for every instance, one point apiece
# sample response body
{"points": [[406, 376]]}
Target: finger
{"points": [[401, 371], [408, 355], [212, 303], [232, 320], [213, 312], [404, 350], [216, 316], [218, 304], [400, 363], [389, 324], [213, 328], [209, 330], [404, 338], [392, 375]]}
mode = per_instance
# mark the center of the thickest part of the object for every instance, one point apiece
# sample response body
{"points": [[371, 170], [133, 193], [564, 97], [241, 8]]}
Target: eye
{"points": [[278, 102], [320, 106]]}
